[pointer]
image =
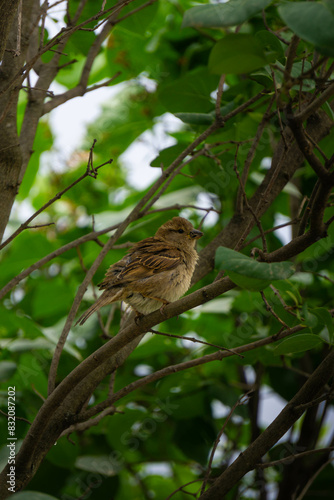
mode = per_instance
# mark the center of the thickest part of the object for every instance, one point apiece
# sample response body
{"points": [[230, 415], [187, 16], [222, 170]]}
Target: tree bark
{"points": [[12, 62], [8, 11]]}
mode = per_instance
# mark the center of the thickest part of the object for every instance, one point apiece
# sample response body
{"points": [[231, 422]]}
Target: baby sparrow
{"points": [[155, 272]]}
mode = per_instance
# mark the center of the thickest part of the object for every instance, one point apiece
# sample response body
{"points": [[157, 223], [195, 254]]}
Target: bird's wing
{"points": [[146, 258]]}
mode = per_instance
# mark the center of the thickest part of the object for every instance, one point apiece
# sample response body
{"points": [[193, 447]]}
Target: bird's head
{"points": [[180, 232]]}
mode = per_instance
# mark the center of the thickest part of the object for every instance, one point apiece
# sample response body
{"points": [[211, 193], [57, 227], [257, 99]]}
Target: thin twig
{"points": [[271, 230], [82, 426], [241, 401], [249, 207], [294, 457], [89, 172], [280, 298], [16, 417], [192, 339], [271, 310], [181, 488], [312, 478], [271, 31]]}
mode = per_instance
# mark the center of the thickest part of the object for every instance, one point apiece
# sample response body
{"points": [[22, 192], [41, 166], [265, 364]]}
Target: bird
{"points": [[155, 271]]}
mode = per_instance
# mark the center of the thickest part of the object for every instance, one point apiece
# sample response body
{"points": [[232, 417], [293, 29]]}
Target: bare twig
{"points": [[192, 339], [294, 457], [280, 298], [312, 478], [249, 207], [83, 426], [241, 401], [16, 417], [271, 31], [24, 225], [181, 488], [271, 310]]}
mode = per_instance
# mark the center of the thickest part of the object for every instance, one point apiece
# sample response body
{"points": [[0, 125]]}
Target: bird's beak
{"points": [[195, 234]]}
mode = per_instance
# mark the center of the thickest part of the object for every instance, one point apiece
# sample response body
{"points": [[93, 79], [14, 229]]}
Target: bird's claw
{"points": [[138, 317], [162, 308]]}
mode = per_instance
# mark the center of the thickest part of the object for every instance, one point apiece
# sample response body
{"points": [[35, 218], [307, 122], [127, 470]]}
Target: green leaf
{"points": [[26, 345], [100, 464], [222, 15], [271, 44], [32, 495], [7, 369], [252, 284], [326, 319], [168, 155], [196, 118], [230, 260], [189, 93], [298, 343], [237, 53], [311, 21], [51, 298]]}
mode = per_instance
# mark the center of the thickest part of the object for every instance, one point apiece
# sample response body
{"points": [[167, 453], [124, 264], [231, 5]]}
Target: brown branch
{"points": [[271, 310], [307, 148], [290, 58], [82, 87], [268, 231], [295, 456], [315, 105], [83, 426], [181, 488]]}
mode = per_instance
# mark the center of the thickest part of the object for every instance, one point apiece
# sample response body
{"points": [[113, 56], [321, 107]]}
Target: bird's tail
{"points": [[103, 300]]}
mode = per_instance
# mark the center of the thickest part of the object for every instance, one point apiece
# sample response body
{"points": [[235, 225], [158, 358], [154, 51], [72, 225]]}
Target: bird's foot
{"points": [[138, 317], [162, 308]]}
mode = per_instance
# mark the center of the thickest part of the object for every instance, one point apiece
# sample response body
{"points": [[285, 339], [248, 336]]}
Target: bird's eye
{"points": [[181, 231]]}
